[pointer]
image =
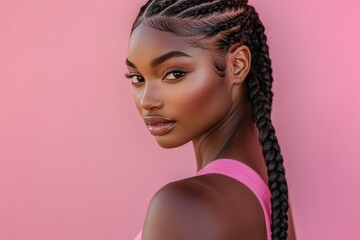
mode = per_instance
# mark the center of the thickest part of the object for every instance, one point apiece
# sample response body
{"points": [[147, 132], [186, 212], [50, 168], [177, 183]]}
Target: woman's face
{"points": [[176, 89]]}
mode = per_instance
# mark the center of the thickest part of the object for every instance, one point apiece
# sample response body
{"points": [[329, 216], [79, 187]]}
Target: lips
{"points": [[158, 125]]}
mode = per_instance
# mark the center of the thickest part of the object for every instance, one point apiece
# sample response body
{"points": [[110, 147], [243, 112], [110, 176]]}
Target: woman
{"points": [[202, 73]]}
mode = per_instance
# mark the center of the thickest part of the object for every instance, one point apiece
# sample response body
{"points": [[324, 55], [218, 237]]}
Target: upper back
{"points": [[224, 200]]}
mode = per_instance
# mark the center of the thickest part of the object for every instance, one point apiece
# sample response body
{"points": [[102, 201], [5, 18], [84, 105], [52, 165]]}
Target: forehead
{"points": [[147, 43]]}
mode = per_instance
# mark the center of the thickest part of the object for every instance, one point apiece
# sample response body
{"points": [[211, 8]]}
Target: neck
{"points": [[218, 142]]}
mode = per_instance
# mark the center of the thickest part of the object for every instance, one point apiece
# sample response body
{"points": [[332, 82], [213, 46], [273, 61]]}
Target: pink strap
{"points": [[247, 176], [138, 236]]}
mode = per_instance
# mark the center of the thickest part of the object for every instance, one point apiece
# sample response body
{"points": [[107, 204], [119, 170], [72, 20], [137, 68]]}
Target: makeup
{"points": [[158, 125]]}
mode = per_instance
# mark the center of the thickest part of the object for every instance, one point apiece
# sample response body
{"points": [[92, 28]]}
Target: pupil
{"points": [[177, 74]]}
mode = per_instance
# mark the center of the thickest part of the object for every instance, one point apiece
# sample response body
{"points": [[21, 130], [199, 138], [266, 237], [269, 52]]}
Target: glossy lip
{"points": [[159, 125]]}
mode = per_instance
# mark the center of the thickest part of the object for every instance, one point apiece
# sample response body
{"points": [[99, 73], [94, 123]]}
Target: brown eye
{"points": [[174, 75], [135, 78]]}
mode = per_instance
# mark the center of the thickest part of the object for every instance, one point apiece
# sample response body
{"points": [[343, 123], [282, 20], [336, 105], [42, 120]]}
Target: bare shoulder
{"points": [[183, 210], [201, 208]]}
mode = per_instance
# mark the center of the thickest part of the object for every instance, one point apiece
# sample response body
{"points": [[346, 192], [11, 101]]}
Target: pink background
{"points": [[76, 161]]}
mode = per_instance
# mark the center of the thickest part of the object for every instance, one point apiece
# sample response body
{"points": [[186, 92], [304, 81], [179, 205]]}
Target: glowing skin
{"points": [[185, 89], [178, 85], [211, 111]]}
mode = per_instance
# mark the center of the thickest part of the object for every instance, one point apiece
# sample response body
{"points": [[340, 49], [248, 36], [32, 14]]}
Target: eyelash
{"points": [[132, 75]]}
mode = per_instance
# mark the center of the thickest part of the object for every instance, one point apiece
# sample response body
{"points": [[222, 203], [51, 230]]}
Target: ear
{"points": [[238, 62]]}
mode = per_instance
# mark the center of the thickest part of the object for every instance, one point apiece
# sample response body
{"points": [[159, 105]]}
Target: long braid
{"points": [[263, 67], [273, 159], [228, 22], [259, 83]]}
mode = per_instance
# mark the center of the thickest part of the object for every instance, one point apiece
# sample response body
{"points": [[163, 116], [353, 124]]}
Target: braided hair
{"points": [[216, 25]]}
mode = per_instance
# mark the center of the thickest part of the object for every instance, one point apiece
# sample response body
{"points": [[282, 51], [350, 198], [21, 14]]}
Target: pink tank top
{"points": [[247, 176]]}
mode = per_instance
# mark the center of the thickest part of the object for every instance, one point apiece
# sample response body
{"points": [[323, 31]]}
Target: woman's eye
{"points": [[135, 79], [174, 75]]}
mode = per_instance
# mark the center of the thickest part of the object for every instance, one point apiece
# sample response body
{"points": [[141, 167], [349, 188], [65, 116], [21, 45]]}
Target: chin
{"points": [[166, 142]]}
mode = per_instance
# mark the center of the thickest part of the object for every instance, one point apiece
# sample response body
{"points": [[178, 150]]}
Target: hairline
{"points": [[218, 60]]}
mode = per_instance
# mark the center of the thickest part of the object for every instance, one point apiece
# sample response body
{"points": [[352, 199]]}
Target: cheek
{"points": [[201, 98], [137, 98]]}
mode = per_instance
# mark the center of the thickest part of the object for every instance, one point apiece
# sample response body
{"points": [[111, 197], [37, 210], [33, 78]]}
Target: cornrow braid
{"points": [[180, 7], [140, 14], [225, 25], [158, 6], [242, 34], [217, 25], [216, 7]]}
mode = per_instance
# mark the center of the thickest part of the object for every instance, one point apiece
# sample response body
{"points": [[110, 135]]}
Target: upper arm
{"points": [[183, 211]]}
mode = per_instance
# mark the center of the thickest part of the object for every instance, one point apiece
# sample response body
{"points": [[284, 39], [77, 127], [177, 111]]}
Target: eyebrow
{"points": [[159, 60], [130, 64]]}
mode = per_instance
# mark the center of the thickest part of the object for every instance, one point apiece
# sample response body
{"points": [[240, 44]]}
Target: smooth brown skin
{"points": [[215, 115]]}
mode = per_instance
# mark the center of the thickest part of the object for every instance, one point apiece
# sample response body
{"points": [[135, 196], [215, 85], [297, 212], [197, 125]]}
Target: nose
{"points": [[151, 98]]}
